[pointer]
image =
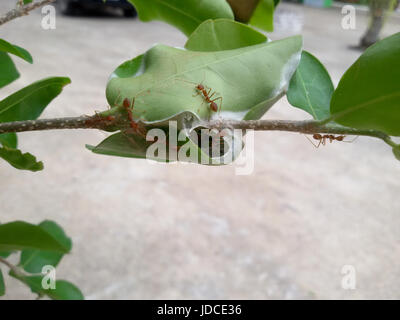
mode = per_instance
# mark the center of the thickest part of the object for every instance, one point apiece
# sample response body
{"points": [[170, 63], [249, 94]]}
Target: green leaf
{"points": [[64, 290], [15, 50], [164, 85], [29, 102], [2, 285], [122, 145], [27, 1], [263, 15], [9, 72], [9, 140], [19, 160], [20, 235], [396, 152], [211, 35], [368, 95], [34, 260], [5, 254], [184, 15], [311, 87]]}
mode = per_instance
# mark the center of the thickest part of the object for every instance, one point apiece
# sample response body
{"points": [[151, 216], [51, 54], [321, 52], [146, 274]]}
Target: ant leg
{"points": [[352, 140], [316, 146]]}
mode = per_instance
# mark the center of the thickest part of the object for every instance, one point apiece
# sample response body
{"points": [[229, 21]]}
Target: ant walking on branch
{"points": [[324, 138]]}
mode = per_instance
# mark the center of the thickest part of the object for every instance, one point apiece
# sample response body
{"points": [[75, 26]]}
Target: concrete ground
{"points": [[143, 231]]}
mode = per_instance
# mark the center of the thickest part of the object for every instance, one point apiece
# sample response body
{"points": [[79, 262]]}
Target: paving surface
{"points": [[143, 231]]}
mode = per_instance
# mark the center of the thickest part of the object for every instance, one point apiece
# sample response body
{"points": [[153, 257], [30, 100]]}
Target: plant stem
{"points": [[83, 122], [12, 267], [100, 122], [22, 10]]}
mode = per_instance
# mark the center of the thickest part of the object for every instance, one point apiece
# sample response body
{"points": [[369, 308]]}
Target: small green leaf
{"points": [[9, 72], [263, 15], [5, 254], [396, 152], [15, 50], [29, 102], [20, 235], [184, 15], [211, 35], [368, 95], [9, 140], [123, 145], [19, 160], [129, 68], [33, 261], [27, 1], [2, 285], [64, 290], [311, 87]]}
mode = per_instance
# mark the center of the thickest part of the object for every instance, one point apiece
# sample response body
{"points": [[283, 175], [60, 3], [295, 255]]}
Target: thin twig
{"points": [[13, 268], [22, 10]]}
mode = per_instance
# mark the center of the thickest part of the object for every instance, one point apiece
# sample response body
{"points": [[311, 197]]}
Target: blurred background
{"points": [[145, 231]]}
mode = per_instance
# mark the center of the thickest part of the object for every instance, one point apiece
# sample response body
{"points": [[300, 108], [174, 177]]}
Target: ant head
{"points": [[126, 103], [214, 106], [317, 136], [340, 138], [200, 87]]}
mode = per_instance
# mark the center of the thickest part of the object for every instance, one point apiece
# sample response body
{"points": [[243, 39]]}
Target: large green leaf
{"points": [[223, 34], [34, 260], [21, 235], [164, 83], [2, 285], [185, 15], [368, 95], [15, 50], [9, 140], [311, 87], [64, 290], [29, 102], [19, 160], [263, 15], [9, 72]]}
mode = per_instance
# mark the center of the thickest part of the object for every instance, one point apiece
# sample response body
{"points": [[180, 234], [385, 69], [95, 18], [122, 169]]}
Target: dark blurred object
{"points": [[72, 6], [243, 9], [379, 12]]}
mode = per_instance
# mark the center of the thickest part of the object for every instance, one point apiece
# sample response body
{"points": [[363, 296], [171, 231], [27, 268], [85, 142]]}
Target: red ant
{"points": [[207, 97], [99, 120], [323, 138], [132, 123]]}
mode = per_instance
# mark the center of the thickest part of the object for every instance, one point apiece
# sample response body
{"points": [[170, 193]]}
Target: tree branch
{"points": [[12, 267], [22, 10], [102, 122]]}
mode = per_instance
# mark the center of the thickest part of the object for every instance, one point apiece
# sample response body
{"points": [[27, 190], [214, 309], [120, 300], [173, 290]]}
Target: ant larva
{"points": [[323, 138]]}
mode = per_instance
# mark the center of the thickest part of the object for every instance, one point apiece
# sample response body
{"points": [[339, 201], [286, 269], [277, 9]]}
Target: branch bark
{"points": [[22, 11], [103, 123]]}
